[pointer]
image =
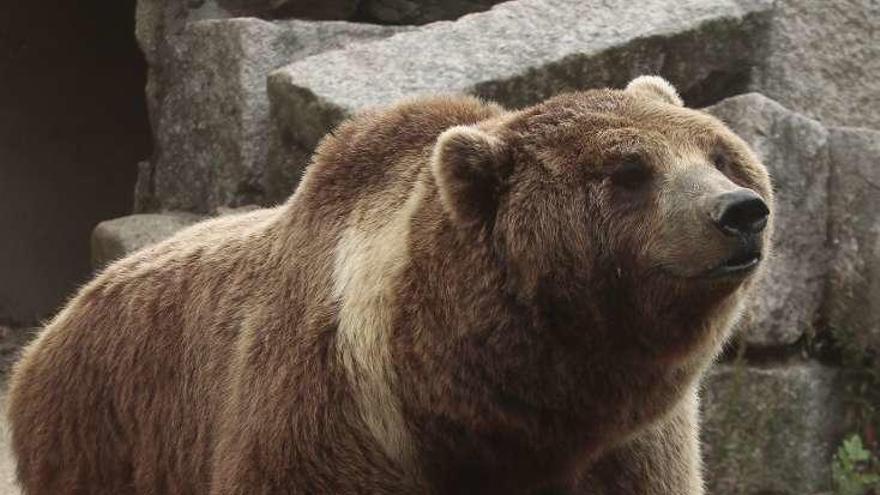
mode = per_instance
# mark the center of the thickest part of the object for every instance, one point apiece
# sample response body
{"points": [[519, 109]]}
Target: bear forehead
{"points": [[584, 126]]}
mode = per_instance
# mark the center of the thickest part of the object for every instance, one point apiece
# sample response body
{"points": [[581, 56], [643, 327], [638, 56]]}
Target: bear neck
{"points": [[487, 378]]}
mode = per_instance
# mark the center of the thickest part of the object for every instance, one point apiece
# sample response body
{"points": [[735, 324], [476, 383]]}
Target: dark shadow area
{"points": [[73, 126], [717, 86], [395, 12]]}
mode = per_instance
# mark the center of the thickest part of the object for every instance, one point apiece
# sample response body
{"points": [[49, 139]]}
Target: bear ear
{"points": [[470, 167], [655, 87]]}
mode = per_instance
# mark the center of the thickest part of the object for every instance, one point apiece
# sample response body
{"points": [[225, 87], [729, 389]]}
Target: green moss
{"points": [[856, 468]]}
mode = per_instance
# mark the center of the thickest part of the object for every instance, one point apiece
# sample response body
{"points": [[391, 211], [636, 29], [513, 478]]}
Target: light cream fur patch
{"points": [[693, 465], [368, 260], [655, 87]]}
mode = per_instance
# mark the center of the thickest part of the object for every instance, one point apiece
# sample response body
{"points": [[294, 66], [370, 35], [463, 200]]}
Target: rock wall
{"points": [[238, 103], [822, 60], [774, 417]]}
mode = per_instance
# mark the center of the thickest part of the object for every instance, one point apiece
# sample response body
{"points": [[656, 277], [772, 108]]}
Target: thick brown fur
{"points": [[457, 299]]}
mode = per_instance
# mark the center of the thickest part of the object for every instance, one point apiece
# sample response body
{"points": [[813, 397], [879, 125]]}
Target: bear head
{"points": [[620, 210]]}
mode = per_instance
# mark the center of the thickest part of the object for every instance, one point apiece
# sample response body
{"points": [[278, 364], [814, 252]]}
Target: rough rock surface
{"points": [[854, 284], [794, 149], [522, 52], [823, 60], [770, 430], [211, 118], [156, 24], [113, 239]]}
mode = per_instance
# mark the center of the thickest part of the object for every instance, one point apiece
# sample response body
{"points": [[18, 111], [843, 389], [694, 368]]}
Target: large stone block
{"points": [[113, 239], [794, 149], [523, 51], [823, 60], [770, 430], [854, 288], [210, 112], [157, 22]]}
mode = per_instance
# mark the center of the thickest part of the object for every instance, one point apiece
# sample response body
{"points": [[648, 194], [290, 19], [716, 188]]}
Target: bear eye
{"points": [[721, 162], [631, 173]]}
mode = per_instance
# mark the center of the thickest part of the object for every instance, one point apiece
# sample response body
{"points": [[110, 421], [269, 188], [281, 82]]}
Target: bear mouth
{"points": [[743, 261]]}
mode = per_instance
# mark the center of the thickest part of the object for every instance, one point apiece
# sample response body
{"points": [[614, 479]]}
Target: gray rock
{"points": [[854, 289], [770, 430], [113, 239], [794, 149], [522, 52], [824, 61], [144, 195], [158, 28], [158, 21], [211, 116]]}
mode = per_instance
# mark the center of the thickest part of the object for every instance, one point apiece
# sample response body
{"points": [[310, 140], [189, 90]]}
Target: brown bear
{"points": [[457, 299]]}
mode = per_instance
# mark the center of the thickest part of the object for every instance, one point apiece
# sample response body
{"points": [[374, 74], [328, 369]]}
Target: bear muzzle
{"points": [[741, 215]]}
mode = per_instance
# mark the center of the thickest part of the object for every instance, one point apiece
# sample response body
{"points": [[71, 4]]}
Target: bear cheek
{"points": [[685, 246]]}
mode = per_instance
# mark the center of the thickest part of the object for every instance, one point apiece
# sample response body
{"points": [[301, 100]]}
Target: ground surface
{"points": [[11, 342], [7, 465]]}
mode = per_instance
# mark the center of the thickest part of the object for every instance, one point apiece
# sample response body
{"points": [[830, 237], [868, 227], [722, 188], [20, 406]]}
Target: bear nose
{"points": [[740, 212]]}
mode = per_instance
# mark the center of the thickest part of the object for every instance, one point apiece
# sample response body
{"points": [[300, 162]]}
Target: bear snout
{"points": [[741, 216], [740, 213]]}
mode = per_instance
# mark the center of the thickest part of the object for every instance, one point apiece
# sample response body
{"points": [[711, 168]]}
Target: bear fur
{"points": [[456, 299]]}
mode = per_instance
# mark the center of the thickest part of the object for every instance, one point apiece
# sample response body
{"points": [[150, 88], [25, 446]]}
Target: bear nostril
{"points": [[740, 212]]}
